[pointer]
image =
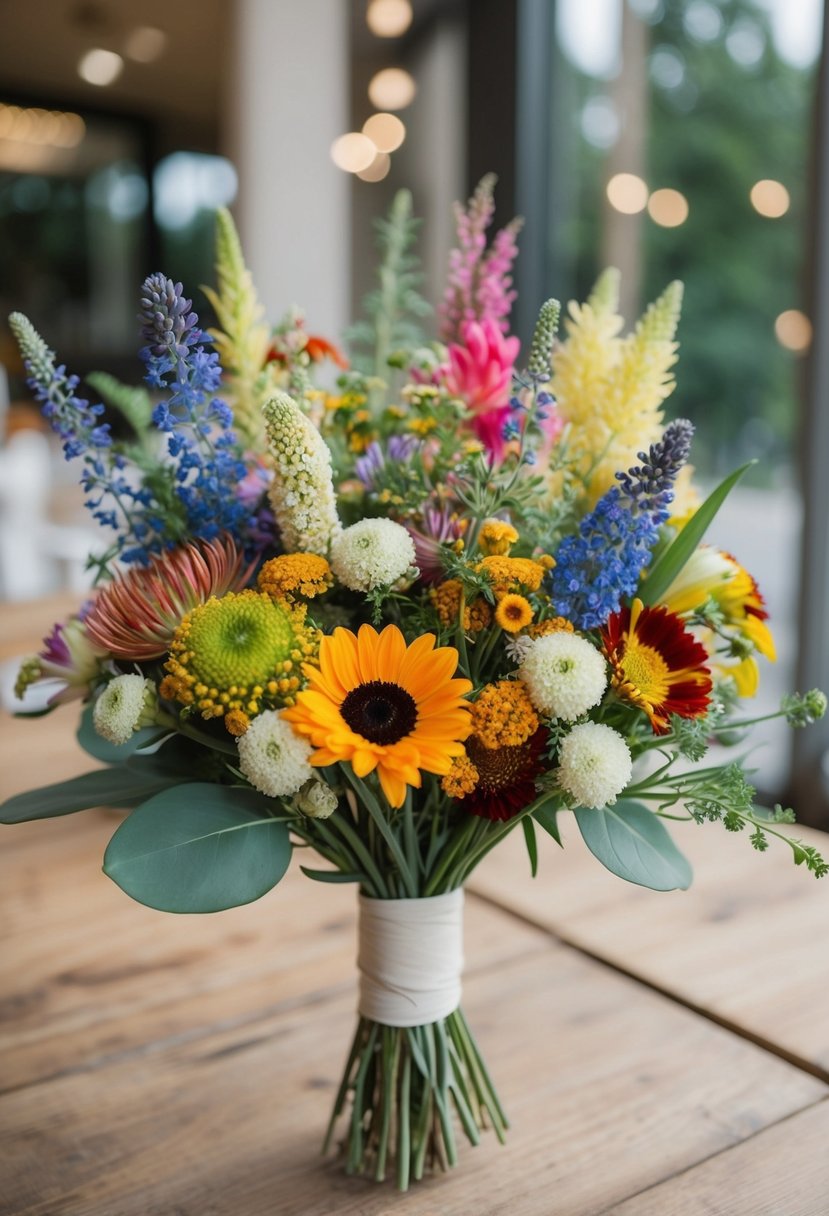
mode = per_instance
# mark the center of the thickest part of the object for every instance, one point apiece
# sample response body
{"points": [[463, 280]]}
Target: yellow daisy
{"points": [[376, 703]]}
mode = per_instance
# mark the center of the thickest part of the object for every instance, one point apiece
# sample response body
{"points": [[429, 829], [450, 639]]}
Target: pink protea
{"points": [[480, 373], [136, 615]]}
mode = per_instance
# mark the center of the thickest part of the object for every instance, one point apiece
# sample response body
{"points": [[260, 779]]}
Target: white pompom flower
{"points": [[272, 757], [372, 553], [594, 765], [564, 674], [316, 800], [126, 704]]}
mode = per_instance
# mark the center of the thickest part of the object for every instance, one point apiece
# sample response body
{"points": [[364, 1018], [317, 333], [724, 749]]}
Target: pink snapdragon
{"points": [[480, 373]]}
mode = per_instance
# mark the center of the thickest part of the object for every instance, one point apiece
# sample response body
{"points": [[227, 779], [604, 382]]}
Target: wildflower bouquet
{"points": [[462, 594]]}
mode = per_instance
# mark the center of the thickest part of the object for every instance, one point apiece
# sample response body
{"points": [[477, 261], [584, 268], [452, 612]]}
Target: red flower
{"points": [[506, 776], [657, 664]]}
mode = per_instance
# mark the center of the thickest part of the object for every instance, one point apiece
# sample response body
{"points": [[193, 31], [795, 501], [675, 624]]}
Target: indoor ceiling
{"points": [[42, 42]]}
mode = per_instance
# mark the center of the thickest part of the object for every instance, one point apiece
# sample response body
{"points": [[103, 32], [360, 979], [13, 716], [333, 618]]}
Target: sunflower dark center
{"points": [[380, 711]]}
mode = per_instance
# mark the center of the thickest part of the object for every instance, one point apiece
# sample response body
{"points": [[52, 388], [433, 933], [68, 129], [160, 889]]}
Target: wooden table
{"points": [[657, 1054]]}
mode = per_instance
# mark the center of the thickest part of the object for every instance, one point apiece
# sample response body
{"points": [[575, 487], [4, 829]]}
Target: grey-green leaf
{"points": [[119, 786], [199, 848], [546, 816], [657, 580], [111, 753], [632, 841]]}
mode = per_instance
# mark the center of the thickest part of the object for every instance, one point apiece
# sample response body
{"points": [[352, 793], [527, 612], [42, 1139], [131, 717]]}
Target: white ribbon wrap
{"points": [[410, 958]]}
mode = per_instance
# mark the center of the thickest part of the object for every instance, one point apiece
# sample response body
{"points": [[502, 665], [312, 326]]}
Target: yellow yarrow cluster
{"points": [[461, 778], [497, 537], [555, 624], [446, 601], [503, 715], [611, 389], [295, 575], [509, 573], [233, 657]]}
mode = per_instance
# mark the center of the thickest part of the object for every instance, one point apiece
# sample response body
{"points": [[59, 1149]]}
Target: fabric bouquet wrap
{"points": [[462, 591]]}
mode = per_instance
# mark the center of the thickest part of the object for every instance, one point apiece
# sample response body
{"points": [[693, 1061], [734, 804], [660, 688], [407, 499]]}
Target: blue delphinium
{"points": [[117, 499], [201, 442], [602, 564]]}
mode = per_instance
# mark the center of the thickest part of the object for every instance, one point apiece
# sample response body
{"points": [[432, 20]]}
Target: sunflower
{"points": [[376, 703], [657, 664]]}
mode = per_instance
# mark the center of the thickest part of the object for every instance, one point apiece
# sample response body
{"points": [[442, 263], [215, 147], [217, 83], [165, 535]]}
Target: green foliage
{"points": [[120, 787], [659, 578], [392, 310], [723, 127], [131, 401], [109, 753], [802, 709], [632, 842], [531, 843], [199, 848]]}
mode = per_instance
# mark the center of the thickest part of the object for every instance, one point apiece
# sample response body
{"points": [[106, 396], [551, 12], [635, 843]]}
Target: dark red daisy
{"points": [[506, 776]]}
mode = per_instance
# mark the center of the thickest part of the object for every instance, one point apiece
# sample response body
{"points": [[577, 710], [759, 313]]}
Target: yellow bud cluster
{"points": [[461, 778], [497, 537], [503, 715], [446, 600]]}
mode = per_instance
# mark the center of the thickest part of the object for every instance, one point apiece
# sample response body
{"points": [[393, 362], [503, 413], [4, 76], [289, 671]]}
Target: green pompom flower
{"points": [[236, 656]]}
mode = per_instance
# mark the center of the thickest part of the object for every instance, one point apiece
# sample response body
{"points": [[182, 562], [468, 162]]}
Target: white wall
{"points": [[286, 102]]}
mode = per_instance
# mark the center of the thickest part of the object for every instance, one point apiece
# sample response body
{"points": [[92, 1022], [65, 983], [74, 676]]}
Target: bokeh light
{"points": [[389, 18], [628, 193], [377, 170], [145, 44], [668, 208], [392, 89], [793, 329], [385, 131], [353, 152], [770, 198], [100, 67]]}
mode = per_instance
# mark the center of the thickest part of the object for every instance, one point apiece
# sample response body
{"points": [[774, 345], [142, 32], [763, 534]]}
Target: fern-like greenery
{"points": [[393, 308], [132, 402]]}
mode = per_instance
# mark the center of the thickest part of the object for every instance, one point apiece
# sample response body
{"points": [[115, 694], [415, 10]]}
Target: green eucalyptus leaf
{"points": [[199, 848], [117, 786], [112, 753], [332, 875], [633, 842], [531, 843], [659, 578], [546, 816]]}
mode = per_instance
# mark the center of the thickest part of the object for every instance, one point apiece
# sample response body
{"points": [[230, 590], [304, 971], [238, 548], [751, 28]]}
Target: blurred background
{"points": [[671, 138]]}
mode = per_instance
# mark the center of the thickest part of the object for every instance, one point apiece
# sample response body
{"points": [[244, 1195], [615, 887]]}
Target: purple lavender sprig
{"points": [[201, 441]]}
